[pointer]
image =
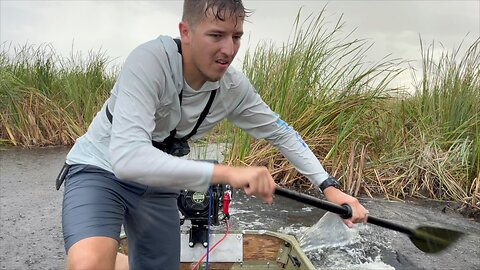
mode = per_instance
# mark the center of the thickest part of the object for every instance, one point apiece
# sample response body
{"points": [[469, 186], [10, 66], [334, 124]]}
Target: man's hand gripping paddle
{"points": [[426, 238]]}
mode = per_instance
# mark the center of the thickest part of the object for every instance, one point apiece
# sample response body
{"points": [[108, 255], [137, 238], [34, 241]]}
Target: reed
{"points": [[46, 99], [443, 117]]}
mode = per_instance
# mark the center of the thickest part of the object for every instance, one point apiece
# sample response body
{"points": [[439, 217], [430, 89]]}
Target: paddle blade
{"points": [[432, 239]]}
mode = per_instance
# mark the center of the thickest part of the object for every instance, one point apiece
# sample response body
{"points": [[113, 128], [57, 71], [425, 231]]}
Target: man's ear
{"points": [[184, 32]]}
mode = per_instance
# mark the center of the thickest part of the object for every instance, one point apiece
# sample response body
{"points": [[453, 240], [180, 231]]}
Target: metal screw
{"points": [[190, 244]]}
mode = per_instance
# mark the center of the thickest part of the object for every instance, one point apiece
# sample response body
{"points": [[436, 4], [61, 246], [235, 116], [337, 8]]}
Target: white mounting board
{"points": [[229, 250]]}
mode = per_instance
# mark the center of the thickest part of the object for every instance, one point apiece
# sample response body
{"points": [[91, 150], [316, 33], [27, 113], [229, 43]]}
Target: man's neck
{"points": [[189, 73]]}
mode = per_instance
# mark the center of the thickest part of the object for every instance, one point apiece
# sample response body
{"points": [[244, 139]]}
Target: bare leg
{"points": [[93, 253], [121, 263]]}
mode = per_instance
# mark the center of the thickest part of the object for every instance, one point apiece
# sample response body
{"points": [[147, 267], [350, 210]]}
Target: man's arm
{"points": [[255, 117], [253, 180]]}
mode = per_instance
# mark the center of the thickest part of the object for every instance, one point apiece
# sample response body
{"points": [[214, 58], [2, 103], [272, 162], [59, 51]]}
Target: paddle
{"points": [[426, 238]]}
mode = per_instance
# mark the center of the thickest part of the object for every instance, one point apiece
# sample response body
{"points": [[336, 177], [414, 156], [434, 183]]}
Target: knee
{"points": [[86, 261], [86, 255]]}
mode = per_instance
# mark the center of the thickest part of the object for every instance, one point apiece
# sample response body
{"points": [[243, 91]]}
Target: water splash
{"points": [[329, 231], [330, 244]]}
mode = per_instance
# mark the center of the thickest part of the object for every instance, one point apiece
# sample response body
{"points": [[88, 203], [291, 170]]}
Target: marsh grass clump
{"points": [[47, 99], [444, 120]]}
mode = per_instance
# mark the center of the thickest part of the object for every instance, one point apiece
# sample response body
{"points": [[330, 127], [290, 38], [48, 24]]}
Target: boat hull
{"points": [[259, 250]]}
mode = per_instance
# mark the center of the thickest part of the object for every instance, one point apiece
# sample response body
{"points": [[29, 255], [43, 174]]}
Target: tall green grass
{"points": [[376, 139], [47, 99], [445, 114]]}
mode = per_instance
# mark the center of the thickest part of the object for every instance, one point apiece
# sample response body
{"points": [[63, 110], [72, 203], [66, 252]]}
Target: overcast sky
{"points": [[117, 27]]}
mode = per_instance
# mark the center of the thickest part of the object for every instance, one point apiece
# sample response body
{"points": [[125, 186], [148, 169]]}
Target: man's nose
{"points": [[228, 46]]}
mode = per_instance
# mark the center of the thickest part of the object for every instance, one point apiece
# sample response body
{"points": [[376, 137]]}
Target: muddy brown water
{"points": [[31, 236]]}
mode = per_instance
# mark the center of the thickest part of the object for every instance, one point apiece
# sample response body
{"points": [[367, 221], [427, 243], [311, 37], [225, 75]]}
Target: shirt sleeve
{"points": [[254, 116], [140, 87]]}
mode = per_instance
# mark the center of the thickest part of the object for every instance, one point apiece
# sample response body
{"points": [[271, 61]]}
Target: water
{"points": [[330, 244], [31, 238], [315, 238]]}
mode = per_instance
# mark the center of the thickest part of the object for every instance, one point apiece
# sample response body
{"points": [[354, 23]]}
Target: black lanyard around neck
{"points": [[202, 117]]}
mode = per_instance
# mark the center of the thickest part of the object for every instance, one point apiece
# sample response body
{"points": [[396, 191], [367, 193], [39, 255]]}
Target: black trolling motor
{"points": [[194, 206]]}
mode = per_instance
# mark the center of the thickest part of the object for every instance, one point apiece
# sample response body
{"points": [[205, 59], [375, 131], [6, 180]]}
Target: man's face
{"points": [[213, 45]]}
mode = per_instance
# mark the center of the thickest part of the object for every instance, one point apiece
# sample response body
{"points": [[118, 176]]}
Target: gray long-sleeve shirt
{"points": [[145, 106]]}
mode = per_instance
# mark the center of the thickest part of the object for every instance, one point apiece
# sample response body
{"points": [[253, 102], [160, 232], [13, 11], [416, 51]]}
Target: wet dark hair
{"points": [[194, 11]]}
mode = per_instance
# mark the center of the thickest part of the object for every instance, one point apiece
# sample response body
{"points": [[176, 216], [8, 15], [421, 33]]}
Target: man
{"points": [[124, 171]]}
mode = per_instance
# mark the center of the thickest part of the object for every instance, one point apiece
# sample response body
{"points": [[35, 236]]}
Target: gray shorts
{"points": [[96, 203]]}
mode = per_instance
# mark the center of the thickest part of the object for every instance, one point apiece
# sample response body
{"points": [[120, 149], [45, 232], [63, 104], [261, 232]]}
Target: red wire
{"points": [[216, 244]]}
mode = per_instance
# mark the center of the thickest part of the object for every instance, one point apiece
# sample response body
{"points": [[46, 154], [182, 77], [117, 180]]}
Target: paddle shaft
{"points": [[344, 211]]}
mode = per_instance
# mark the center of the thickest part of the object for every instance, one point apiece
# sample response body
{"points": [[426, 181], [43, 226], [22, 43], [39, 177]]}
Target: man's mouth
{"points": [[222, 62]]}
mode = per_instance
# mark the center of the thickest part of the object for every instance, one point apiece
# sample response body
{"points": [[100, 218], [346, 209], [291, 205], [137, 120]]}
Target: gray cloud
{"points": [[118, 26]]}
